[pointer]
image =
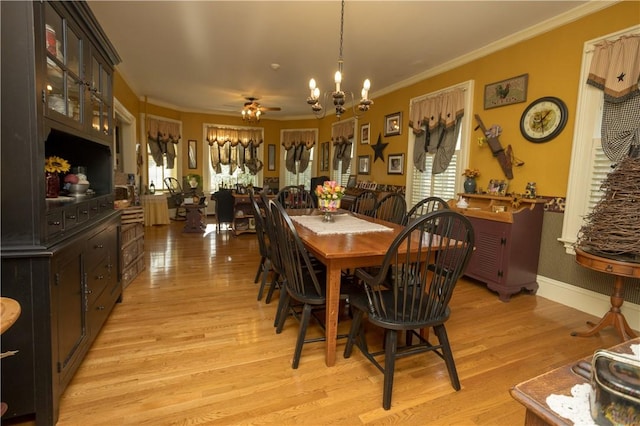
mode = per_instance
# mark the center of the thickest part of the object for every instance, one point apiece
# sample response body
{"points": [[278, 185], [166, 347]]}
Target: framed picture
{"points": [[506, 92], [363, 164], [324, 156], [364, 134], [393, 124], [395, 165], [271, 162], [193, 153], [497, 187], [351, 183]]}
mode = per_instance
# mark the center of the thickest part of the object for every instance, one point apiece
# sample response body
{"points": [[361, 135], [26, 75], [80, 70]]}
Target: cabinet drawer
{"points": [[70, 217], [100, 309], [83, 212], [105, 203], [129, 253], [54, 223], [99, 246], [93, 208], [98, 279]]}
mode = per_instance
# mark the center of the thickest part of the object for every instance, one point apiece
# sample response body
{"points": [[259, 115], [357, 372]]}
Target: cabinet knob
{"points": [[72, 216], [88, 291], [55, 223], [100, 277], [99, 246], [609, 268], [100, 308]]}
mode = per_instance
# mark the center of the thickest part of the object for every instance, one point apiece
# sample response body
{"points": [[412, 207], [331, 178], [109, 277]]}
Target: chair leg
{"points": [[354, 332], [260, 270], [448, 355], [304, 322], [272, 287], [283, 307], [266, 267], [389, 366]]}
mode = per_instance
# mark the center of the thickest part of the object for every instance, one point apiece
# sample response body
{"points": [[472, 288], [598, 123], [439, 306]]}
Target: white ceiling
{"points": [[206, 56]]}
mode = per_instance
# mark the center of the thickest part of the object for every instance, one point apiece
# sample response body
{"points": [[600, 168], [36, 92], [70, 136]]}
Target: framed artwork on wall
{"points": [[506, 92], [271, 161], [393, 124], [193, 153], [324, 156], [364, 134], [395, 165], [363, 164]]}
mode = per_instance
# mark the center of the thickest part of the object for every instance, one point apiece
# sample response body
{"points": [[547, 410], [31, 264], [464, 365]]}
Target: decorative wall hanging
{"points": [[364, 134], [379, 149], [393, 124], [324, 156], [506, 92], [193, 154], [496, 148], [395, 166]]}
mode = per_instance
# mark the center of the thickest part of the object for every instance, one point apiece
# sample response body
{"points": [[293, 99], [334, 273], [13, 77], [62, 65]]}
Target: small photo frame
{"points": [[395, 165], [353, 180], [497, 187], [271, 162], [193, 153], [506, 92], [364, 134], [324, 156], [393, 124], [363, 164]]}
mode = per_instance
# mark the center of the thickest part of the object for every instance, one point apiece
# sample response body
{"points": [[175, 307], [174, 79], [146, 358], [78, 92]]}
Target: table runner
{"points": [[342, 224]]}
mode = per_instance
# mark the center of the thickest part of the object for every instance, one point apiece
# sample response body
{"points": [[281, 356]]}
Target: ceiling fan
{"points": [[252, 110]]}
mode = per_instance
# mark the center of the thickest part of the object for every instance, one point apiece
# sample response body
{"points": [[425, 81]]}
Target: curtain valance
{"points": [[443, 109], [436, 123], [244, 137], [343, 131], [161, 138], [296, 138], [615, 69]]}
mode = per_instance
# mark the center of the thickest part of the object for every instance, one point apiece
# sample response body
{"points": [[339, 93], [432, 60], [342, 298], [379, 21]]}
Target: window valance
{"points": [[443, 109], [162, 136], [615, 69], [296, 138], [436, 123], [343, 131], [244, 137]]}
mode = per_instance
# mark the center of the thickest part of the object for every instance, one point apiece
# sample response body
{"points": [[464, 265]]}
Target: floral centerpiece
{"points": [[329, 195], [471, 173], [53, 166]]}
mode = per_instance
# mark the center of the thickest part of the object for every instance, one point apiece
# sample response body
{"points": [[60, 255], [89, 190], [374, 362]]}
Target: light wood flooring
{"points": [[191, 345]]}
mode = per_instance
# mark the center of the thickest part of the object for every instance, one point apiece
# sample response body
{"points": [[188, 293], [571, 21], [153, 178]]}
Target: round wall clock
{"points": [[543, 119]]}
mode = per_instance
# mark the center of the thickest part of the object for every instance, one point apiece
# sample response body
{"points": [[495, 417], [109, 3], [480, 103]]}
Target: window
{"points": [[587, 150], [448, 183], [300, 178], [298, 148], [163, 139]]}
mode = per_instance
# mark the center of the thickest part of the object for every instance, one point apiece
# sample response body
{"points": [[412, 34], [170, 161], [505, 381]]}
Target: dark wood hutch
{"points": [[60, 257]]}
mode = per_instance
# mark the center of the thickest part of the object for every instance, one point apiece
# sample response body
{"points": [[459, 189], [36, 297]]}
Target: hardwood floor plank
{"points": [[191, 345]]}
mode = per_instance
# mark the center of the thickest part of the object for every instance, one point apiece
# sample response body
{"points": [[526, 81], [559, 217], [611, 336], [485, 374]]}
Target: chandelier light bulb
{"points": [[338, 80], [316, 93]]}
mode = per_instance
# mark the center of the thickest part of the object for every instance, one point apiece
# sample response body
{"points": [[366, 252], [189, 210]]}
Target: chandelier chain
{"points": [[341, 29]]}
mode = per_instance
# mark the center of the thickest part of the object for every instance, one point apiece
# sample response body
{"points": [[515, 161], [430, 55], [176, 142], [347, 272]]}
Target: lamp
{"points": [[251, 113], [338, 95]]}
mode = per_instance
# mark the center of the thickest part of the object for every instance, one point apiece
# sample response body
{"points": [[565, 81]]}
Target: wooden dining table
{"points": [[340, 252]]}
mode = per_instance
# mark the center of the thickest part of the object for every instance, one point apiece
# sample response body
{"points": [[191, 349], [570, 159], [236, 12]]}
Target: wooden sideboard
{"points": [[507, 238]]}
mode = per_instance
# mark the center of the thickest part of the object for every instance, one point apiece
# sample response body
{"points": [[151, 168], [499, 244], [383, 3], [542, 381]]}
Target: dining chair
{"points": [[304, 284], [426, 267], [264, 244], [364, 203], [424, 206], [295, 197], [224, 207], [392, 208]]}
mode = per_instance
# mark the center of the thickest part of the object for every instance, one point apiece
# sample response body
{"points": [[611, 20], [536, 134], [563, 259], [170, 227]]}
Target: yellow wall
{"points": [[552, 61]]}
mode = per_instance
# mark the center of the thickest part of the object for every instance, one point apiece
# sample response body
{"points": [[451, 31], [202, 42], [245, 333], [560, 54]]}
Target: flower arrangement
{"points": [[471, 173], [55, 164], [329, 195]]}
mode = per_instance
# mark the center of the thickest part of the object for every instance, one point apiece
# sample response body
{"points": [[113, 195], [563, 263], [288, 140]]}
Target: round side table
{"points": [[619, 270]]}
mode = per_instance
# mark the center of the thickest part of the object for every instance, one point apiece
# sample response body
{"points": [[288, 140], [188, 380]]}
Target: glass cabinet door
{"points": [[100, 89], [64, 88]]}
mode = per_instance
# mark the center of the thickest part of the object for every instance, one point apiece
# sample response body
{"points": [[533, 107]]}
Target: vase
{"points": [[470, 185], [328, 207], [52, 184]]}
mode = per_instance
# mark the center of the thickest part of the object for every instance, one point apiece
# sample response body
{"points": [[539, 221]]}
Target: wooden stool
{"points": [[619, 270]]}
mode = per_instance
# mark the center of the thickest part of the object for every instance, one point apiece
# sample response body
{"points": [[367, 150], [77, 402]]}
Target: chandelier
{"points": [[338, 95]]}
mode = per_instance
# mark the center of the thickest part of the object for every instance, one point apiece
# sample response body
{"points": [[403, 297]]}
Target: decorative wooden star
{"points": [[379, 148], [621, 76]]}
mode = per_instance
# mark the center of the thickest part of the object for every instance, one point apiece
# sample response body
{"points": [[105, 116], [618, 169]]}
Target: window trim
{"points": [[578, 194], [465, 134]]}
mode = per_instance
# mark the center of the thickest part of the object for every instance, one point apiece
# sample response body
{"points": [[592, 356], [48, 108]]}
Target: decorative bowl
{"points": [[78, 188]]}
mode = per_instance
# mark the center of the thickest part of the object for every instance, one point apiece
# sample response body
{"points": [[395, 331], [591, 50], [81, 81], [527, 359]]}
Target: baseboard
{"points": [[587, 301]]}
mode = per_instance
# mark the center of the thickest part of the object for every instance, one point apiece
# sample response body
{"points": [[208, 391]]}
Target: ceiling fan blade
{"points": [[270, 108]]}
